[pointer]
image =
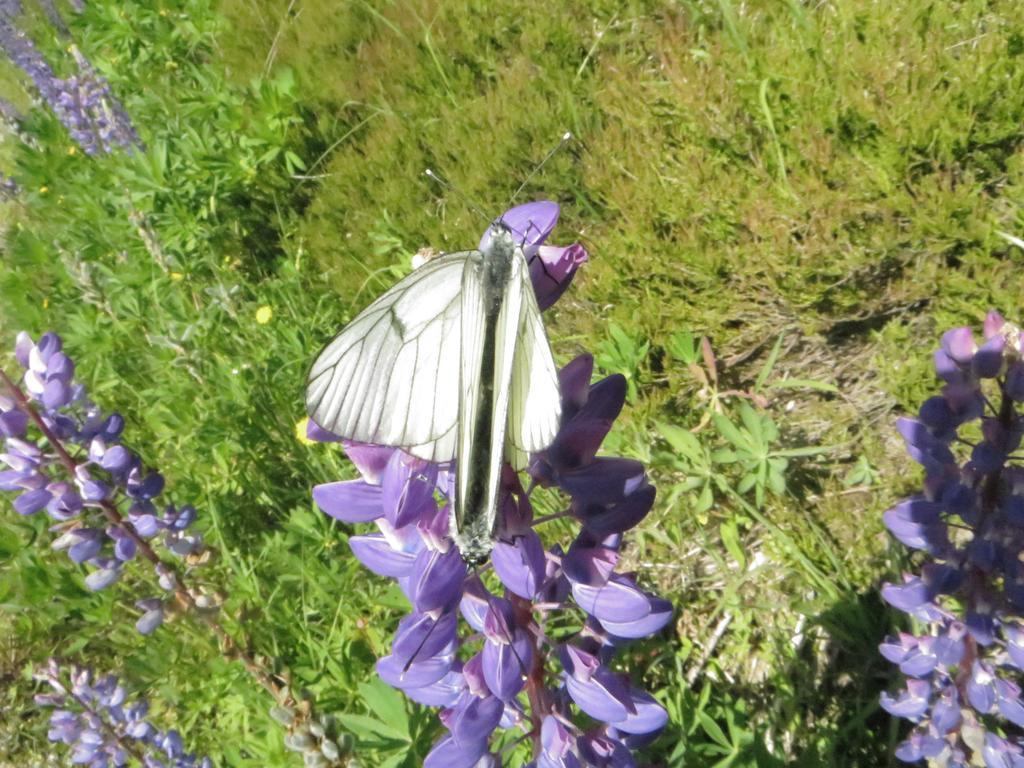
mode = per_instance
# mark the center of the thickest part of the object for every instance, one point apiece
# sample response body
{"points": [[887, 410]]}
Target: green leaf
{"points": [[821, 386], [386, 703], [683, 441], [730, 431], [730, 534], [712, 729], [364, 727], [769, 364]]}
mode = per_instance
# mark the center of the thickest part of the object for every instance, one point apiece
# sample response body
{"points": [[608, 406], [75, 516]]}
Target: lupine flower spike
{"points": [[83, 495], [94, 716], [84, 102], [964, 670], [514, 669]]}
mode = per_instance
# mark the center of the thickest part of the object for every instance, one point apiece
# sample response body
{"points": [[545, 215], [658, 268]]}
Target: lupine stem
{"points": [[275, 687]]}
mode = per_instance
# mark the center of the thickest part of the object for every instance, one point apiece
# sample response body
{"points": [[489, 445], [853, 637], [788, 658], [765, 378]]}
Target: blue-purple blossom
{"points": [[964, 670], [506, 672], [83, 477], [83, 102], [95, 718]]}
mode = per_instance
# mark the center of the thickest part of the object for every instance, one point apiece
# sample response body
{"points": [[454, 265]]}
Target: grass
{"points": [[815, 188]]}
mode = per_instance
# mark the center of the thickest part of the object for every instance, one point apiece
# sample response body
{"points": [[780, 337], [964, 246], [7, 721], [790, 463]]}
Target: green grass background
{"points": [[817, 188]]}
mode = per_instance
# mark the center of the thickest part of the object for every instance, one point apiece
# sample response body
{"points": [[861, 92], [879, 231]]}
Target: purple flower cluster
{"points": [[543, 636], [84, 102], [81, 494], [103, 728], [9, 188], [964, 672]]}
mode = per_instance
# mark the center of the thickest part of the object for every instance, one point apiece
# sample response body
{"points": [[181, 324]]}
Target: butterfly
{"points": [[451, 363]]}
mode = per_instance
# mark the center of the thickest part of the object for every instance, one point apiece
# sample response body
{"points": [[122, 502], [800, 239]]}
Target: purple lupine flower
{"points": [[551, 267], [95, 718], [105, 474], [84, 102], [9, 188], [964, 671], [514, 675]]}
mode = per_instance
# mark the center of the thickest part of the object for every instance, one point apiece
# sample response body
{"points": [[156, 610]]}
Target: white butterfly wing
{"points": [[392, 376], [535, 408]]}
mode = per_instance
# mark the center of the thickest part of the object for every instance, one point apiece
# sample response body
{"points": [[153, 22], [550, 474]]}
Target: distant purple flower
{"points": [[84, 102], [497, 674], [969, 520], [9, 188], [95, 718], [106, 474]]}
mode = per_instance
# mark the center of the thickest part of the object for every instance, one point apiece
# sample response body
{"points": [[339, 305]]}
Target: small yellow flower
{"points": [[263, 314], [177, 276], [300, 431], [72, 150], [46, 302], [163, 11], [43, 189], [171, 65]]}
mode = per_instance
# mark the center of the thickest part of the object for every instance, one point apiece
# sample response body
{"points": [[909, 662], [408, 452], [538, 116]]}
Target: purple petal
{"points": [[605, 480], [520, 565], [437, 580], [124, 548], [351, 501], [318, 434], [649, 716], [530, 224], [605, 696], [618, 601], [602, 520], [448, 753], [505, 667], [574, 384], [988, 361], [149, 621], [418, 675], [475, 604], [911, 703], [958, 343], [592, 566], [374, 551], [56, 394], [23, 346], [981, 692], [908, 596], [420, 637], [116, 459], [407, 492], [31, 502], [102, 578], [370, 460], [477, 720], [917, 524], [660, 615], [1008, 701], [552, 269], [443, 693], [13, 423]]}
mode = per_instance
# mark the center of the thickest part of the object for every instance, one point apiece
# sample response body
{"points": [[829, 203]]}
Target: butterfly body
{"points": [[450, 363]]}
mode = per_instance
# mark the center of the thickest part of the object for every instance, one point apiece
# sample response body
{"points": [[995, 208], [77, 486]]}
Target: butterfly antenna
{"points": [[458, 193], [419, 647], [551, 153], [501, 622]]}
